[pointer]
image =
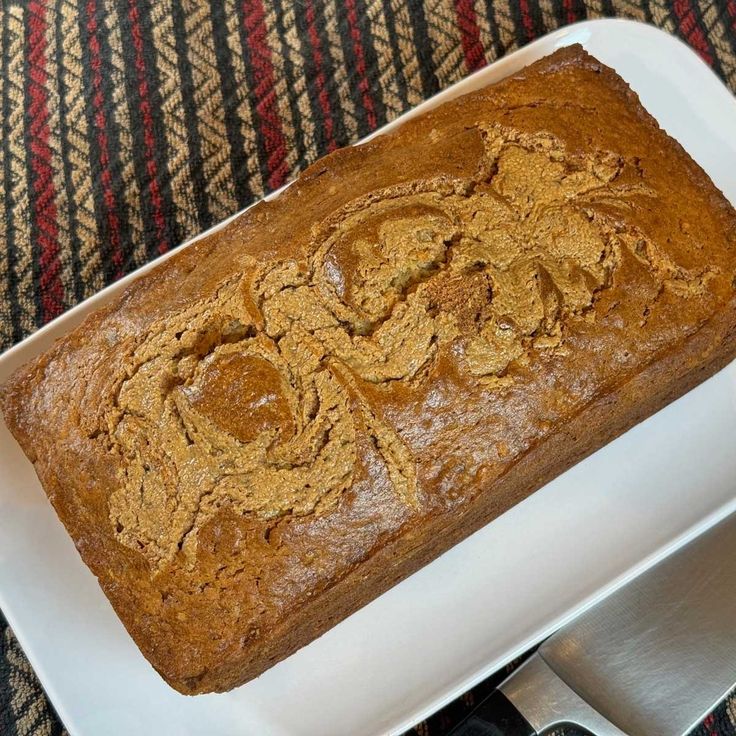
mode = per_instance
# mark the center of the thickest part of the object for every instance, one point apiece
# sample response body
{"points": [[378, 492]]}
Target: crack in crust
{"points": [[251, 400]]}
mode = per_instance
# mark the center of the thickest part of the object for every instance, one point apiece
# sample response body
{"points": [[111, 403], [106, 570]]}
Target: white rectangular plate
{"points": [[469, 612]]}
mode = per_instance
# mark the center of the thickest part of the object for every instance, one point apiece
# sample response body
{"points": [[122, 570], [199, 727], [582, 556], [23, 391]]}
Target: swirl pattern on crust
{"points": [[210, 413], [216, 418], [251, 400], [500, 261]]}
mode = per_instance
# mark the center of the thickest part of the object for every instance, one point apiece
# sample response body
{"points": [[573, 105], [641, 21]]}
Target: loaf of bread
{"points": [[280, 422]]}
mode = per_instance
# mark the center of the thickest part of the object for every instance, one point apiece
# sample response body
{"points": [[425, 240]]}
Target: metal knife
{"points": [[651, 659]]}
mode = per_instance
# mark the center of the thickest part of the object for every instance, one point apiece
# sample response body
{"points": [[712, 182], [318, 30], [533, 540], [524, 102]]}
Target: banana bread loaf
{"points": [[293, 414]]}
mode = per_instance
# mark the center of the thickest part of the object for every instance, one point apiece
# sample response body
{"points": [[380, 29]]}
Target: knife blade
{"points": [[651, 659]]}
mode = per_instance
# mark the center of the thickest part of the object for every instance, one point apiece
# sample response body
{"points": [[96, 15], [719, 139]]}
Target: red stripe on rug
{"points": [[149, 140], [526, 20], [100, 124], [690, 29], [731, 6], [569, 7], [709, 725], [51, 287], [319, 79], [469, 34], [360, 66], [254, 19]]}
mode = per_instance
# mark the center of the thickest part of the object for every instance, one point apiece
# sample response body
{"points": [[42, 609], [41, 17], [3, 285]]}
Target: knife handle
{"points": [[495, 716], [535, 690]]}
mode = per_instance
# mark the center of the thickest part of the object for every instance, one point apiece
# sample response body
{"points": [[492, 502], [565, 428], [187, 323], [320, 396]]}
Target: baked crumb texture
{"points": [[287, 418]]}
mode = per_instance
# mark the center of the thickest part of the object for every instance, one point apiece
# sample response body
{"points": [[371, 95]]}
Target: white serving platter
{"points": [[471, 611]]}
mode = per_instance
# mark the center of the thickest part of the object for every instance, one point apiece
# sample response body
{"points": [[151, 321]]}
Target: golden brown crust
{"points": [[290, 416]]}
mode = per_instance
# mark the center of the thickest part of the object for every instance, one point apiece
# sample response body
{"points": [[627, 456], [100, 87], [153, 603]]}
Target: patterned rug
{"points": [[131, 125]]}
